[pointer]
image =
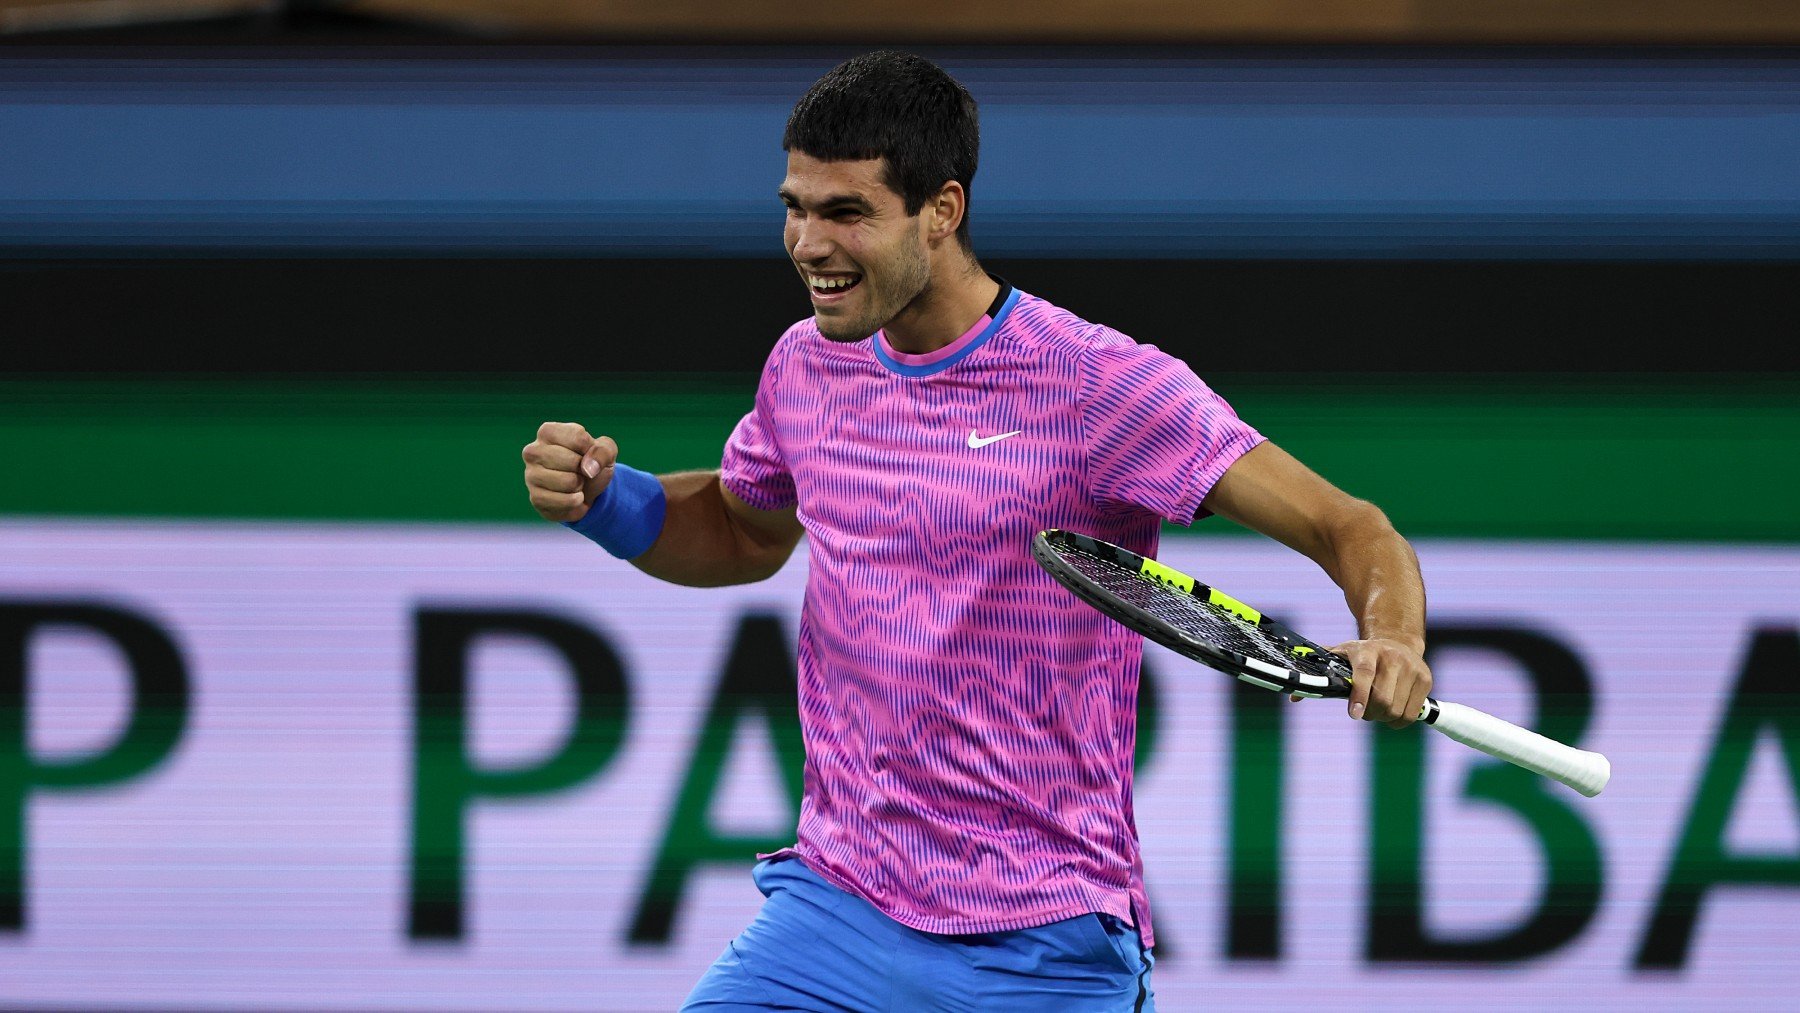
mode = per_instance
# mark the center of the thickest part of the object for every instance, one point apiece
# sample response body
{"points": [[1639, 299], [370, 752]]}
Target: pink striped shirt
{"points": [[970, 724]]}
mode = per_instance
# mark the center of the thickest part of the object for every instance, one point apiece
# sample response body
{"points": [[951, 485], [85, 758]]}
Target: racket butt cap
{"points": [[1595, 782]]}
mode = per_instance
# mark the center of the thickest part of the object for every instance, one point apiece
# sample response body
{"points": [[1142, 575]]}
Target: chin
{"points": [[842, 333]]}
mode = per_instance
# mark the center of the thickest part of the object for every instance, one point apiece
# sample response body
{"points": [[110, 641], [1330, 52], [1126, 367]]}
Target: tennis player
{"points": [[966, 839]]}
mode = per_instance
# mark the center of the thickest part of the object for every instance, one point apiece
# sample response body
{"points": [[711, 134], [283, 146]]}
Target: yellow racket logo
{"points": [[1228, 603], [1167, 575]]}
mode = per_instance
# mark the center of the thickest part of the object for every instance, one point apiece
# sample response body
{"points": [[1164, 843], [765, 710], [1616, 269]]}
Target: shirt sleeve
{"points": [[753, 467], [1158, 438]]}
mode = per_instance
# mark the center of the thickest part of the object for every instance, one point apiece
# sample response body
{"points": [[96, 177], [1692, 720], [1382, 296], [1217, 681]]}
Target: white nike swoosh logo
{"points": [[976, 442]]}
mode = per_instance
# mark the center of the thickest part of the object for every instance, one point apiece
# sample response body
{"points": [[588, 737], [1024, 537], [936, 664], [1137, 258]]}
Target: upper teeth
{"points": [[821, 282]]}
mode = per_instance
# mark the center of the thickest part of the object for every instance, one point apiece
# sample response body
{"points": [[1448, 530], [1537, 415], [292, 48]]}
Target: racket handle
{"points": [[1581, 770]]}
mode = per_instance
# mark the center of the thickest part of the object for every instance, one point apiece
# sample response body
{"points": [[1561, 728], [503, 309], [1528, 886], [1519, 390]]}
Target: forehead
{"points": [[811, 179]]}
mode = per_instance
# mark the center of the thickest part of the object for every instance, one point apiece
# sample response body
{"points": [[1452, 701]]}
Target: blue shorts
{"points": [[816, 947]]}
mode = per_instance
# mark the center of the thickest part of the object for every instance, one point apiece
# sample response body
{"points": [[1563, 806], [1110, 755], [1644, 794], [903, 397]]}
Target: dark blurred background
{"points": [[1469, 204]]}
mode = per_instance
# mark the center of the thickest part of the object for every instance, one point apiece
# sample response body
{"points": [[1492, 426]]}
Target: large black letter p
{"points": [[159, 709]]}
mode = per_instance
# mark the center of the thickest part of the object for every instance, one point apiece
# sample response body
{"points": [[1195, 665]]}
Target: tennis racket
{"points": [[1211, 627]]}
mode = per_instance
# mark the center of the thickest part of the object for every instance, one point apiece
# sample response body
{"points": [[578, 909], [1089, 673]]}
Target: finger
{"points": [[558, 506], [1403, 717], [1362, 682], [597, 485], [552, 456], [552, 500], [1415, 700], [602, 454], [539, 477], [565, 434], [1383, 694]]}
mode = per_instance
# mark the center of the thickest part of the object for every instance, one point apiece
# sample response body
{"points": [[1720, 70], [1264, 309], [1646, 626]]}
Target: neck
{"points": [[958, 294]]}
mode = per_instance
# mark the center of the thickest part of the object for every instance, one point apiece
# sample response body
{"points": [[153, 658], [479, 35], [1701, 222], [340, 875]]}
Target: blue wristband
{"points": [[628, 516]]}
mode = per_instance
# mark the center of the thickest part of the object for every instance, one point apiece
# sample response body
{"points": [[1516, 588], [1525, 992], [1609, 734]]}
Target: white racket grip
{"points": [[1579, 769]]}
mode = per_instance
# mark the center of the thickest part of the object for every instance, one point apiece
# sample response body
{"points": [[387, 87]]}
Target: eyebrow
{"points": [[831, 203]]}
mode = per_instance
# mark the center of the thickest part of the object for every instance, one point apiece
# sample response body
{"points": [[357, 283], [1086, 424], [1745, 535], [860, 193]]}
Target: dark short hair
{"points": [[898, 107]]}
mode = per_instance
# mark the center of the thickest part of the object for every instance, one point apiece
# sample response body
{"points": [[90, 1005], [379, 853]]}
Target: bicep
{"points": [[774, 531], [1268, 490]]}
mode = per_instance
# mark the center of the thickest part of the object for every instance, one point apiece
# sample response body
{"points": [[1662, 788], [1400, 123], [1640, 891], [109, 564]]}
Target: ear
{"points": [[944, 212]]}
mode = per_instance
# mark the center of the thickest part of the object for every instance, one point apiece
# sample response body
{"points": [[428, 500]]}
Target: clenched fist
{"points": [[1391, 682], [566, 470]]}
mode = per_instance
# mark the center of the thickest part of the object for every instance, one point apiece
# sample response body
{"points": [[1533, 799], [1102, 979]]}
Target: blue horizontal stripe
{"points": [[106, 228], [1684, 157]]}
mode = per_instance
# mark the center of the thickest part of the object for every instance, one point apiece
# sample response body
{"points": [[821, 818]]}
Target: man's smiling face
{"points": [[862, 257]]}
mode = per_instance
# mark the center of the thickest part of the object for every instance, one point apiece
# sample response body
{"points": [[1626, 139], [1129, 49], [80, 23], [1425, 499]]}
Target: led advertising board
{"points": [[442, 767]]}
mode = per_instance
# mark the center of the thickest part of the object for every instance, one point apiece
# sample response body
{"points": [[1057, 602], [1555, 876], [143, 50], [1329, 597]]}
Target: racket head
{"points": [[1190, 617]]}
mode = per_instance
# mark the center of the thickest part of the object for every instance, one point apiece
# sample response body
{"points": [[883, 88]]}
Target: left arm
{"points": [[1269, 491]]}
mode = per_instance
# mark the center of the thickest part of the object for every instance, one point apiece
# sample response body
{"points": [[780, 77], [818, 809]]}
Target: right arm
{"points": [[709, 537]]}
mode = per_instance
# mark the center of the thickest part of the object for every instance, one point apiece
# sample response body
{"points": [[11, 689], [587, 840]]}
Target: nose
{"points": [[807, 239]]}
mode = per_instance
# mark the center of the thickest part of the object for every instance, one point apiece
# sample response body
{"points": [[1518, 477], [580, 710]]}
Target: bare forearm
{"points": [[1379, 574], [700, 545], [1269, 491]]}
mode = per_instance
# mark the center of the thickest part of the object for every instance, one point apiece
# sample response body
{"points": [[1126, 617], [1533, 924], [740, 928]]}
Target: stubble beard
{"points": [[892, 293]]}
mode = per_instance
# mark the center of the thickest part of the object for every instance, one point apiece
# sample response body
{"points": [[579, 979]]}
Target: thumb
{"points": [[597, 467]]}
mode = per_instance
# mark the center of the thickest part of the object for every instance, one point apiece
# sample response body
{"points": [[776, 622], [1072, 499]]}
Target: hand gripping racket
{"points": [[1210, 626]]}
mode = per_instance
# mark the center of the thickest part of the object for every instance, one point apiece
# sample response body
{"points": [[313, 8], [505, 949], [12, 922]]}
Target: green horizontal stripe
{"points": [[1487, 456]]}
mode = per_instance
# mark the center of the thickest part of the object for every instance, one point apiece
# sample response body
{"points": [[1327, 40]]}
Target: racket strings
{"points": [[1186, 612]]}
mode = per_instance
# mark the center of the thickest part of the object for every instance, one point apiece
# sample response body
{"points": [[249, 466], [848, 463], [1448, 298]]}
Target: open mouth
{"points": [[828, 285]]}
